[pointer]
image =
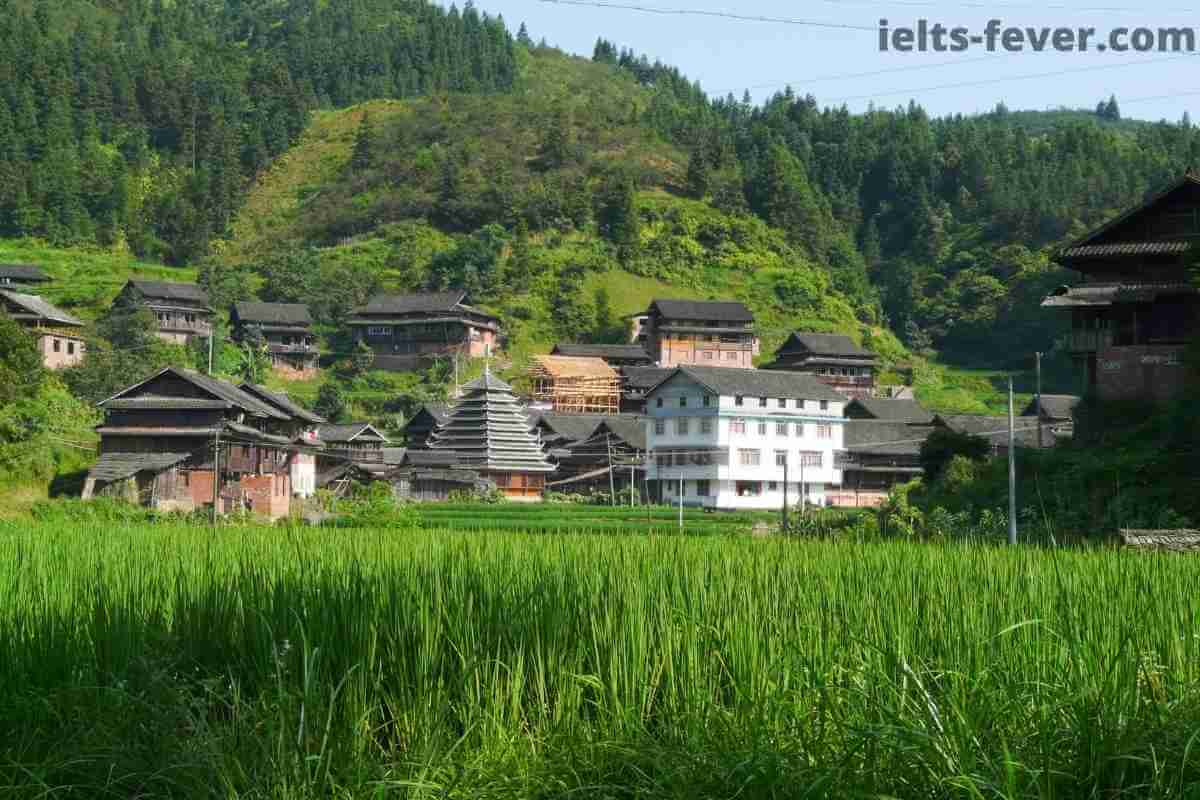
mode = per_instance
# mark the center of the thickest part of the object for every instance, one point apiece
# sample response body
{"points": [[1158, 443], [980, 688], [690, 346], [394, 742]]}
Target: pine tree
{"points": [[364, 144], [523, 37], [698, 173]]}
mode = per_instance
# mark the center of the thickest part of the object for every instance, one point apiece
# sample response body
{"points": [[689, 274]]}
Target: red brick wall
{"points": [[1155, 373]]}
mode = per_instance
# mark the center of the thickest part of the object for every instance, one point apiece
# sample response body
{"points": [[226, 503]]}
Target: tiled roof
{"points": [[1054, 406], [569, 367], [273, 313], [909, 411], [223, 390], [114, 467], [716, 310], [22, 272], [33, 305], [827, 344], [282, 402], [166, 290], [1126, 249], [879, 437], [1096, 295], [994, 429], [729, 382], [411, 303], [490, 430], [623, 352], [340, 434], [628, 428], [571, 427], [644, 378], [156, 403]]}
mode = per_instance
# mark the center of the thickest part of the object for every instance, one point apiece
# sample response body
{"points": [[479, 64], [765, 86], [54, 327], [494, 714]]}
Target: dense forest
{"points": [[141, 122]]}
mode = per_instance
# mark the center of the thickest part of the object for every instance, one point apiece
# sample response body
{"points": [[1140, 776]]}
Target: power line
{"points": [[845, 76], [994, 7], [718, 14]]}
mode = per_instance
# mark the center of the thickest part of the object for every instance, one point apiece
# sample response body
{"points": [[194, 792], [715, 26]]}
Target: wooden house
{"points": [[489, 430], [285, 329], [615, 355], [831, 358], [1137, 307], [583, 448], [889, 409], [22, 277], [359, 443], [407, 331], [181, 310], [181, 441], [705, 333], [636, 383], [994, 430], [880, 454], [59, 335], [429, 476], [302, 430], [422, 425], [575, 385]]}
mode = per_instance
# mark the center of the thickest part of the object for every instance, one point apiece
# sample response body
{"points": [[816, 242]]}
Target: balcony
{"points": [[276, 347], [1089, 341]]}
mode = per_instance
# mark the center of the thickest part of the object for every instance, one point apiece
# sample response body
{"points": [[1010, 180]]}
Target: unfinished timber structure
{"points": [[488, 430], [574, 385]]}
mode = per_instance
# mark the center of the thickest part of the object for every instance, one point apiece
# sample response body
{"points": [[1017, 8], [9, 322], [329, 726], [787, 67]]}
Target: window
{"points": [[799, 404], [706, 425], [683, 402], [781, 428], [781, 458], [70, 348], [707, 400], [762, 429], [57, 345], [708, 355], [749, 488], [772, 486], [825, 431], [750, 458], [762, 402], [783, 402], [799, 430], [824, 405], [660, 427], [731, 356], [659, 402], [737, 426], [379, 330], [811, 459], [702, 488], [681, 426], [739, 400]]}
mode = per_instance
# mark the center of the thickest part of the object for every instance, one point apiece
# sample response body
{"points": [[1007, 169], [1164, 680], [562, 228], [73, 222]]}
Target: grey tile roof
{"points": [[717, 310], [885, 437], [155, 403], [33, 305], [431, 458], [118, 466], [341, 434], [1126, 249], [1105, 294], [994, 428], [1092, 239], [490, 430], [282, 402], [624, 352], [644, 378], [411, 303], [216, 387], [909, 411], [571, 427], [826, 344], [22, 272], [729, 382], [628, 428], [167, 290], [1054, 406], [272, 313]]}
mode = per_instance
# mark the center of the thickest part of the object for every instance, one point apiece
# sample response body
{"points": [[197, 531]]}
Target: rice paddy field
{"points": [[171, 661]]}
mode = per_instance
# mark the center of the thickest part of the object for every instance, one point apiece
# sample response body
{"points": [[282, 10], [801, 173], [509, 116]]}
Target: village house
{"points": [[58, 334], [575, 385], [726, 438], [431, 476], [880, 454], [832, 358], [583, 447], [359, 444], [889, 410], [407, 331], [1056, 412], [416, 431], [636, 383], [285, 329], [22, 277], [994, 430], [1137, 306], [182, 441], [181, 310], [705, 333], [615, 355], [302, 430], [489, 431]]}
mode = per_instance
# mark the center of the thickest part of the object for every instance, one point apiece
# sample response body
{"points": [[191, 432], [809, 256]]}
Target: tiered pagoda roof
{"points": [[489, 430]]}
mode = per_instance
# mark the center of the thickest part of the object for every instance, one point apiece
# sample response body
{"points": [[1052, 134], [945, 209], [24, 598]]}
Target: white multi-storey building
{"points": [[726, 436]]}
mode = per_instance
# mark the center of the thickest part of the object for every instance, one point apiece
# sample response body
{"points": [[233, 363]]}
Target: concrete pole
{"points": [[680, 500], [1038, 399], [216, 474], [1012, 468]]}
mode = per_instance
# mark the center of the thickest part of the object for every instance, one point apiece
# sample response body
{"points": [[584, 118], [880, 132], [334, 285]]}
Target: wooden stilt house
{"points": [[489, 430], [575, 385]]}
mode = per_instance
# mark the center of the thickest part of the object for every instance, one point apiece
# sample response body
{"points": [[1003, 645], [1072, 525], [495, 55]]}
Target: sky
{"points": [[732, 55]]}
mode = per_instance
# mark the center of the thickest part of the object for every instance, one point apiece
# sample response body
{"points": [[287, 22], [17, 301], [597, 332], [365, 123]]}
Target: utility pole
{"points": [[803, 487], [785, 495], [681, 501], [1012, 468], [632, 484], [612, 481], [1038, 399], [212, 331], [216, 473]]}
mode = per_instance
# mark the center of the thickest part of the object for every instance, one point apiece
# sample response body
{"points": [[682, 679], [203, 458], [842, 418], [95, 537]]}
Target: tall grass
{"points": [[184, 662]]}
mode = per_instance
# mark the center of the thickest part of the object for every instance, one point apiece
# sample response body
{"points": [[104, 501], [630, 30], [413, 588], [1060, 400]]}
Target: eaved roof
{"points": [[36, 307], [282, 402], [1054, 406], [26, 273], [892, 410], [880, 437], [1097, 243], [569, 367], [730, 382], [623, 352], [341, 434], [717, 310], [411, 303], [571, 427], [827, 344], [644, 378], [216, 387], [166, 290], [489, 429], [994, 428], [272, 313], [627, 428], [113, 467]]}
